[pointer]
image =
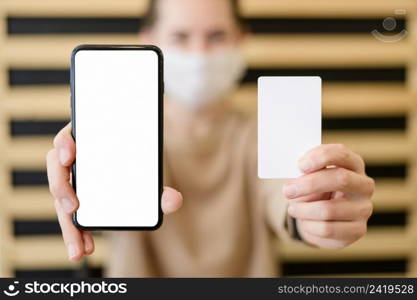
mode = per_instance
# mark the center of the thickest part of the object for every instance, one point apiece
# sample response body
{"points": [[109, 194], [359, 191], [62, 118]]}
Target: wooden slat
{"points": [[54, 51], [38, 102], [309, 51], [80, 8], [392, 195], [29, 152], [48, 252], [249, 8], [370, 99], [374, 245], [369, 144], [347, 99], [323, 8], [261, 51], [31, 203], [36, 202], [365, 99]]}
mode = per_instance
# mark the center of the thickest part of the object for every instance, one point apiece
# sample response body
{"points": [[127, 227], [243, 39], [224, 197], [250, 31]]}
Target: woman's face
{"points": [[195, 26]]}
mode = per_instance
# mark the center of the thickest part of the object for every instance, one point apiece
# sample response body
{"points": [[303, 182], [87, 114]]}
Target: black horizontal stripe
{"points": [[32, 227], [18, 77], [38, 77], [86, 25], [47, 227], [334, 74], [345, 267], [57, 273], [39, 177], [364, 123], [317, 25], [52, 127], [47, 25], [29, 178], [38, 227], [388, 219], [387, 171], [36, 127]]}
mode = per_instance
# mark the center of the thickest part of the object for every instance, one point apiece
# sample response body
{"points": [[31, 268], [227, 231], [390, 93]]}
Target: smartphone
{"points": [[117, 125]]}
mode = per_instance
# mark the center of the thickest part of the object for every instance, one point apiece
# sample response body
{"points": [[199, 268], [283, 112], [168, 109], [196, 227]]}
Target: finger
{"points": [[171, 200], [333, 210], [88, 242], [331, 155], [65, 145], [330, 180], [333, 229], [72, 236], [59, 185], [325, 243], [309, 197], [313, 197]]}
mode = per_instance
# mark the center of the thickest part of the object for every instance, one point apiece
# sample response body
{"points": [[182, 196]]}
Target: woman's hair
{"points": [[151, 15]]}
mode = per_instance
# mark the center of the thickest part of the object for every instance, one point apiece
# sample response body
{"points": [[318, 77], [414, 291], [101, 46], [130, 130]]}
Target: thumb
{"points": [[65, 146], [171, 200]]}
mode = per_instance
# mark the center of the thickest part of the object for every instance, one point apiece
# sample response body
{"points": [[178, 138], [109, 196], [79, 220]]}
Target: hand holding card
{"points": [[289, 123]]}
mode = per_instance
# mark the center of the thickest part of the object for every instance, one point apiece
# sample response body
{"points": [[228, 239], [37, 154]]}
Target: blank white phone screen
{"points": [[116, 129]]}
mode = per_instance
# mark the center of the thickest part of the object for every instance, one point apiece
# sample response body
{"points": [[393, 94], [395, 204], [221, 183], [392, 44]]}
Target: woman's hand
{"points": [[332, 200], [59, 161]]}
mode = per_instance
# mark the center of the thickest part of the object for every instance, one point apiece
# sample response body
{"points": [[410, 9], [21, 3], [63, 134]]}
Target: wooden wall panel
{"points": [[382, 148]]}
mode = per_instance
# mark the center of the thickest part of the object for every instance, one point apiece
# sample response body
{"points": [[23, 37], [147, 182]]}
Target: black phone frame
{"points": [[158, 51]]}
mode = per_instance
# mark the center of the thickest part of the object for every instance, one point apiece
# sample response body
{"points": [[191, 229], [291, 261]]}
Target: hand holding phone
{"points": [[59, 162]]}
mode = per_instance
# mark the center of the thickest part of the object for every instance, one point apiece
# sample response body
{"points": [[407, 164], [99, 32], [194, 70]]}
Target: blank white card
{"points": [[289, 123]]}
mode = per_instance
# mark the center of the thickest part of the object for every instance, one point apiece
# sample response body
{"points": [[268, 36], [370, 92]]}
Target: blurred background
{"points": [[365, 51]]}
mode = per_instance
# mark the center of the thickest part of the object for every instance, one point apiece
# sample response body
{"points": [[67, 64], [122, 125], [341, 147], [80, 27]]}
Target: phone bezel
{"points": [[160, 128]]}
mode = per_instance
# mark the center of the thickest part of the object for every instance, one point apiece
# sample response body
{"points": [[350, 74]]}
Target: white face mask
{"points": [[195, 80]]}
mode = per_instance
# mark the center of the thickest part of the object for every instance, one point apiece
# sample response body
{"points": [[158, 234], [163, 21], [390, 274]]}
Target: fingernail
{"points": [[64, 156], [87, 247], [290, 190], [67, 205], [305, 165], [72, 251], [291, 210]]}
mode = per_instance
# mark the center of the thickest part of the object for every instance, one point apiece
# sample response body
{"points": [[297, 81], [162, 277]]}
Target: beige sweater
{"points": [[229, 218]]}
